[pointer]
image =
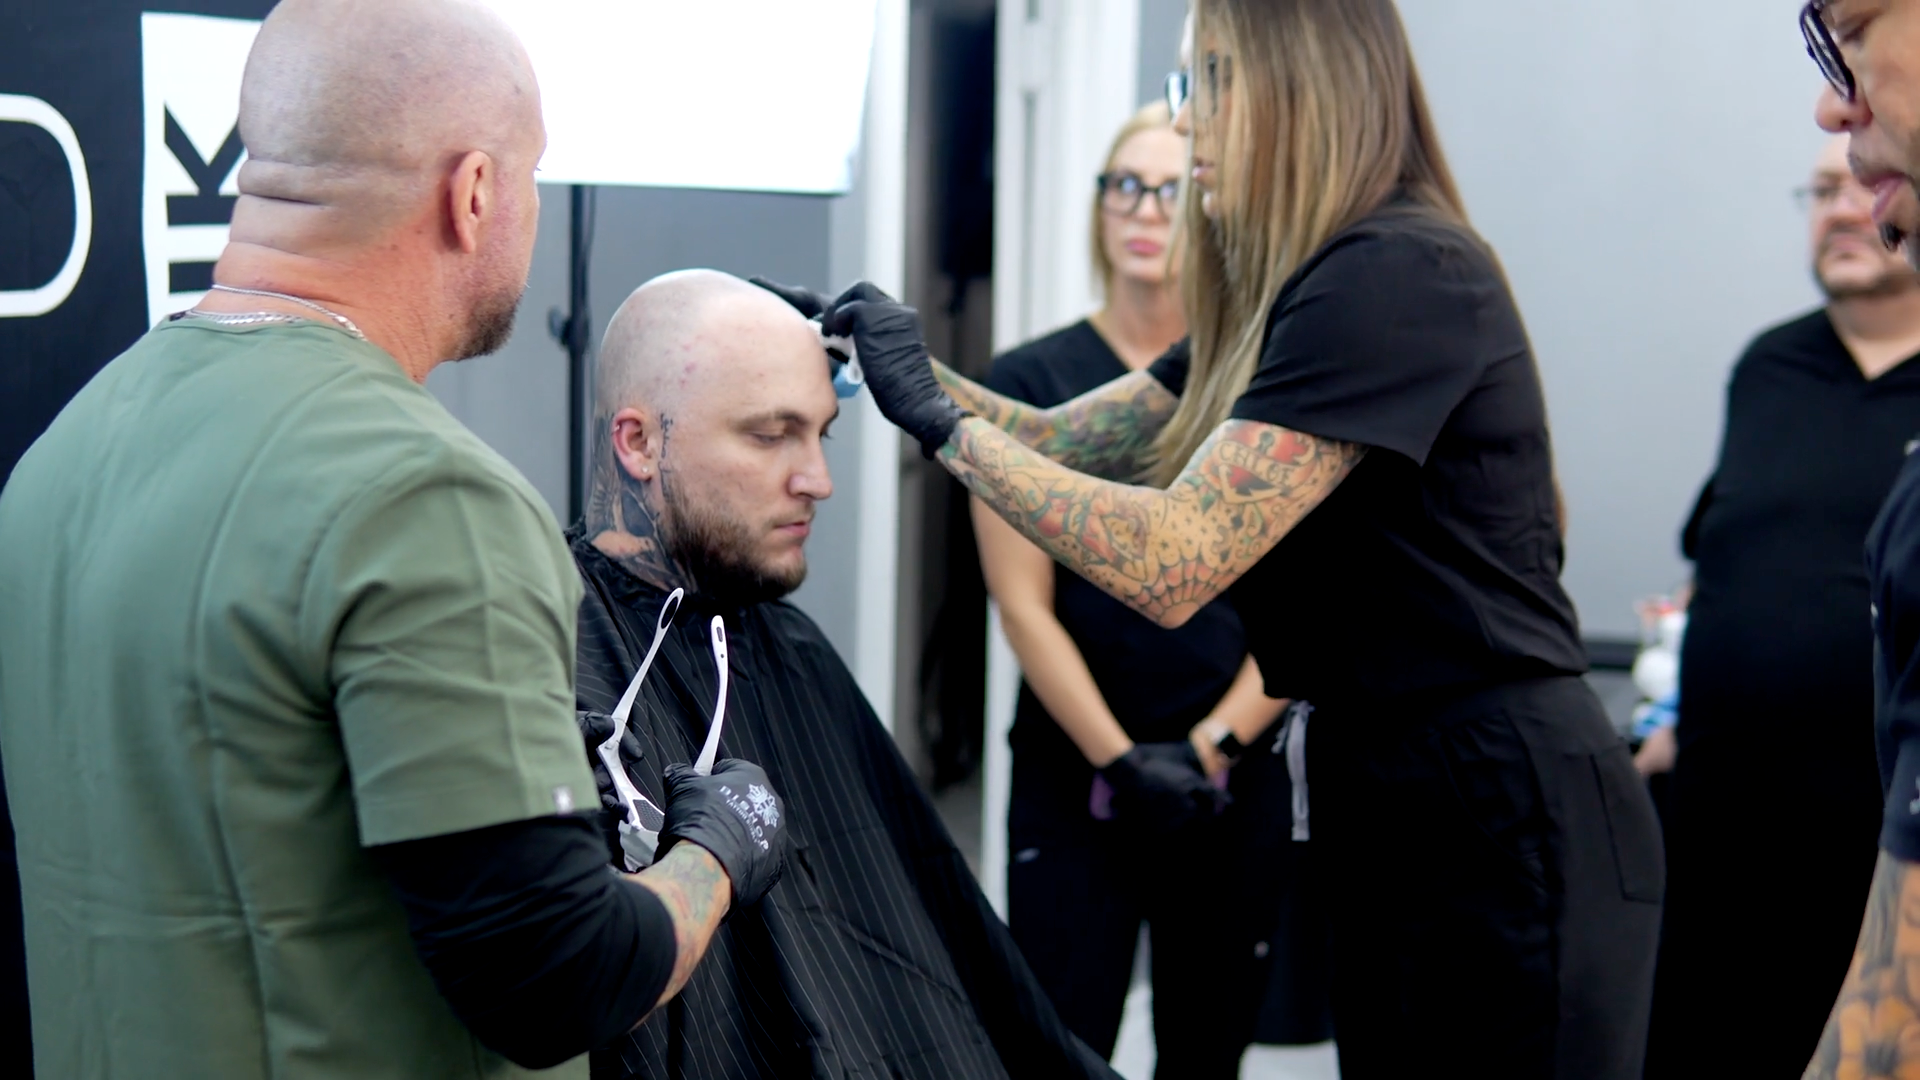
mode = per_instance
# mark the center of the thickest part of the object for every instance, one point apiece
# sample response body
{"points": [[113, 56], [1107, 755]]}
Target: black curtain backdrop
{"points": [[83, 58]]}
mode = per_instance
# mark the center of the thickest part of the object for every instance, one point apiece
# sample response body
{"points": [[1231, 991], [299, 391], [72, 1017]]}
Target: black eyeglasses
{"points": [[1180, 83], [1825, 51], [1826, 194], [1122, 193]]}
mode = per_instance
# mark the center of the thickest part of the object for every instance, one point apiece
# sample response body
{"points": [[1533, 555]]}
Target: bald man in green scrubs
{"points": [[286, 654]]}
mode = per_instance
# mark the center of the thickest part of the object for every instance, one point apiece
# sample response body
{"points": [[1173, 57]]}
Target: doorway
{"points": [[940, 692]]}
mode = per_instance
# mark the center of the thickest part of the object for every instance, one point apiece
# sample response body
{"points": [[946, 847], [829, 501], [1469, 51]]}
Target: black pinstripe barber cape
{"points": [[876, 955]]}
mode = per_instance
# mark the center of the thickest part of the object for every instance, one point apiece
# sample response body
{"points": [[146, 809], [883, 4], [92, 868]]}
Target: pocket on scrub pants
{"points": [[1489, 771], [1632, 826]]}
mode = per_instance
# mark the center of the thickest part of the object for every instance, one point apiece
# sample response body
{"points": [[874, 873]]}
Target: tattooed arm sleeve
{"points": [[1163, 553], [1107, 431], [1874, 1029], [695, 891]]}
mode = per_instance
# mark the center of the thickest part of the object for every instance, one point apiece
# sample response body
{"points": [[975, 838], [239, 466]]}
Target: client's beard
{"points": [[718, 555]]}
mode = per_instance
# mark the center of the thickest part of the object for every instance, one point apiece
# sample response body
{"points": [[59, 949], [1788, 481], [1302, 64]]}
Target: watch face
{"points": [[1230, 745]]}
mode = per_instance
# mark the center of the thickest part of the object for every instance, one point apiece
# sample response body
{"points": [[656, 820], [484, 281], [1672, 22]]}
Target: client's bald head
{"points": [[713, 396], [688, 334], [398, 137]]}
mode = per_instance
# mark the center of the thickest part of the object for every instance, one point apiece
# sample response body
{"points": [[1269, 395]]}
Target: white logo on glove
{"points": [[765, 805], [749, 812]]}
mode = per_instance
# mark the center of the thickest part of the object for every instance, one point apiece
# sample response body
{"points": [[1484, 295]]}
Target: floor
{"points": [[1133, 1056]]}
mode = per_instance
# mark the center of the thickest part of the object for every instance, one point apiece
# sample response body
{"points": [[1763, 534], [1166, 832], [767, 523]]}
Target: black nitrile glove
{"points": [[893, 354], [808, 303], [594, 729], [1159, 788], [736, 816]]}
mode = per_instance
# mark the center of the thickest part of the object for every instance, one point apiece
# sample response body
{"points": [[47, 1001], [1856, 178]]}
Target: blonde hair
{"points": [[1328, 121], [1155, 115]]}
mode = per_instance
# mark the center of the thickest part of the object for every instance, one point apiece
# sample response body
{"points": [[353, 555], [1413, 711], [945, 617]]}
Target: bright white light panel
{"points": [[746, 95]]}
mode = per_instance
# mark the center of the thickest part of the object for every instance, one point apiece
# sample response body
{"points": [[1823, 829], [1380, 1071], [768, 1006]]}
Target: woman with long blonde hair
{"points": [[1116, 734], [1355, 451]]}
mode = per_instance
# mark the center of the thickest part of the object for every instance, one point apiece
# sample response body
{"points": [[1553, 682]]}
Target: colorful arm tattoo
{"points": [[1874, 1029], [696, 892], [1107, 431], [1163, 553]]}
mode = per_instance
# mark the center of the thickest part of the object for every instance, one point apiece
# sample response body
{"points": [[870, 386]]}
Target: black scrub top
{"points": [[1158, 682], [1778, 646], [1893, 576], [1434, 568]]}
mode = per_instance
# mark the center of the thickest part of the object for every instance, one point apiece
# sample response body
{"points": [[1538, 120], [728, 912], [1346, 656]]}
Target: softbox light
{"points": [[748, 95]]}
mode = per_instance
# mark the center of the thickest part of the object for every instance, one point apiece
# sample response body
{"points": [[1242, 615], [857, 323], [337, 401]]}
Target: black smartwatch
{"points": [[1230, 746]]}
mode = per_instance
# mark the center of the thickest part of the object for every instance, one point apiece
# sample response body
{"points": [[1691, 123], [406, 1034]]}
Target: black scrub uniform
{"points": [[1777, 682], [1076, 896], [1893, 573], [1491, 859]]}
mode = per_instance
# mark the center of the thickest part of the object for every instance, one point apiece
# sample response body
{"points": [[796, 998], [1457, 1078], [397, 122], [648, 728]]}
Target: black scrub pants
{"points": [[1226, 919], [1772, 846], [1494, 871]]}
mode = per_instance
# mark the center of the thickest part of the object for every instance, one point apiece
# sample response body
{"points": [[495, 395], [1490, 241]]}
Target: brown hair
{"points": [[1154, 115], [1328, 121]]}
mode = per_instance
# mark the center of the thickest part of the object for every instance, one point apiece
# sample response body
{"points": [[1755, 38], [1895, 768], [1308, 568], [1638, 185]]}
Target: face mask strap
{"points": [[609, 750], [704, 765]]}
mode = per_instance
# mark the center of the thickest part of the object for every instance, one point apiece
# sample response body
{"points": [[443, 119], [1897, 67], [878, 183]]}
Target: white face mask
{"points": [[640, 825]]}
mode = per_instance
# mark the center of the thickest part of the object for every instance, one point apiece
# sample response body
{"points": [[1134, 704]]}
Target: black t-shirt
{"points": [[1435, 566], [1158, 682], [537, 945], [1778, 646], [1893, 578]]}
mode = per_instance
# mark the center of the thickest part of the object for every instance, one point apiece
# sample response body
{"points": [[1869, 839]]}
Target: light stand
{"points": [[573, 329]]}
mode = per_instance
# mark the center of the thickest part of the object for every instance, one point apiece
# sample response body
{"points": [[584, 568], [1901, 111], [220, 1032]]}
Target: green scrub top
{"points": [[264, 603]]}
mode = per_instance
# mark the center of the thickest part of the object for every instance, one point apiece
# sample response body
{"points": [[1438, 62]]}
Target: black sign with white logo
{"points": [[118, 152], [117, 156]]}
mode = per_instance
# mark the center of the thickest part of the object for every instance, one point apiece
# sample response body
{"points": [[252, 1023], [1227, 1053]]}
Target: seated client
{"points": [[875, 955]]}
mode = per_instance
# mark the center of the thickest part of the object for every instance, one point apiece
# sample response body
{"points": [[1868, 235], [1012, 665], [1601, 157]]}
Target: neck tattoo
{"points": [[623, 516]]}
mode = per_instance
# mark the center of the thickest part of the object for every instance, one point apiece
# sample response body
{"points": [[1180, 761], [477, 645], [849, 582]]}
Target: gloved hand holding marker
{"points": [[897, 367], [847, 374], [894, 364]]}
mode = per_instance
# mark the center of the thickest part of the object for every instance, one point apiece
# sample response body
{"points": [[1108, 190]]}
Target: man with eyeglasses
{"points": [[1869, 51], [1776, 676]]}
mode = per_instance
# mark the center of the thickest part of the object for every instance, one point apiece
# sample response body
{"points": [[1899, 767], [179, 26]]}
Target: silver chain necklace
{"points": [[269, 316]]}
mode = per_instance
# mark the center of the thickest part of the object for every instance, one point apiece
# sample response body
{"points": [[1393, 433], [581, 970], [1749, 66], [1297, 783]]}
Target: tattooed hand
{"points": [[694, 888], [1874, 1030], [1165, 554]]}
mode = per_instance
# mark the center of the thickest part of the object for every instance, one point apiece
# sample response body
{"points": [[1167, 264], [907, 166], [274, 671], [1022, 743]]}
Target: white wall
{"points": [[1160, 25], [1632, 161]]}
